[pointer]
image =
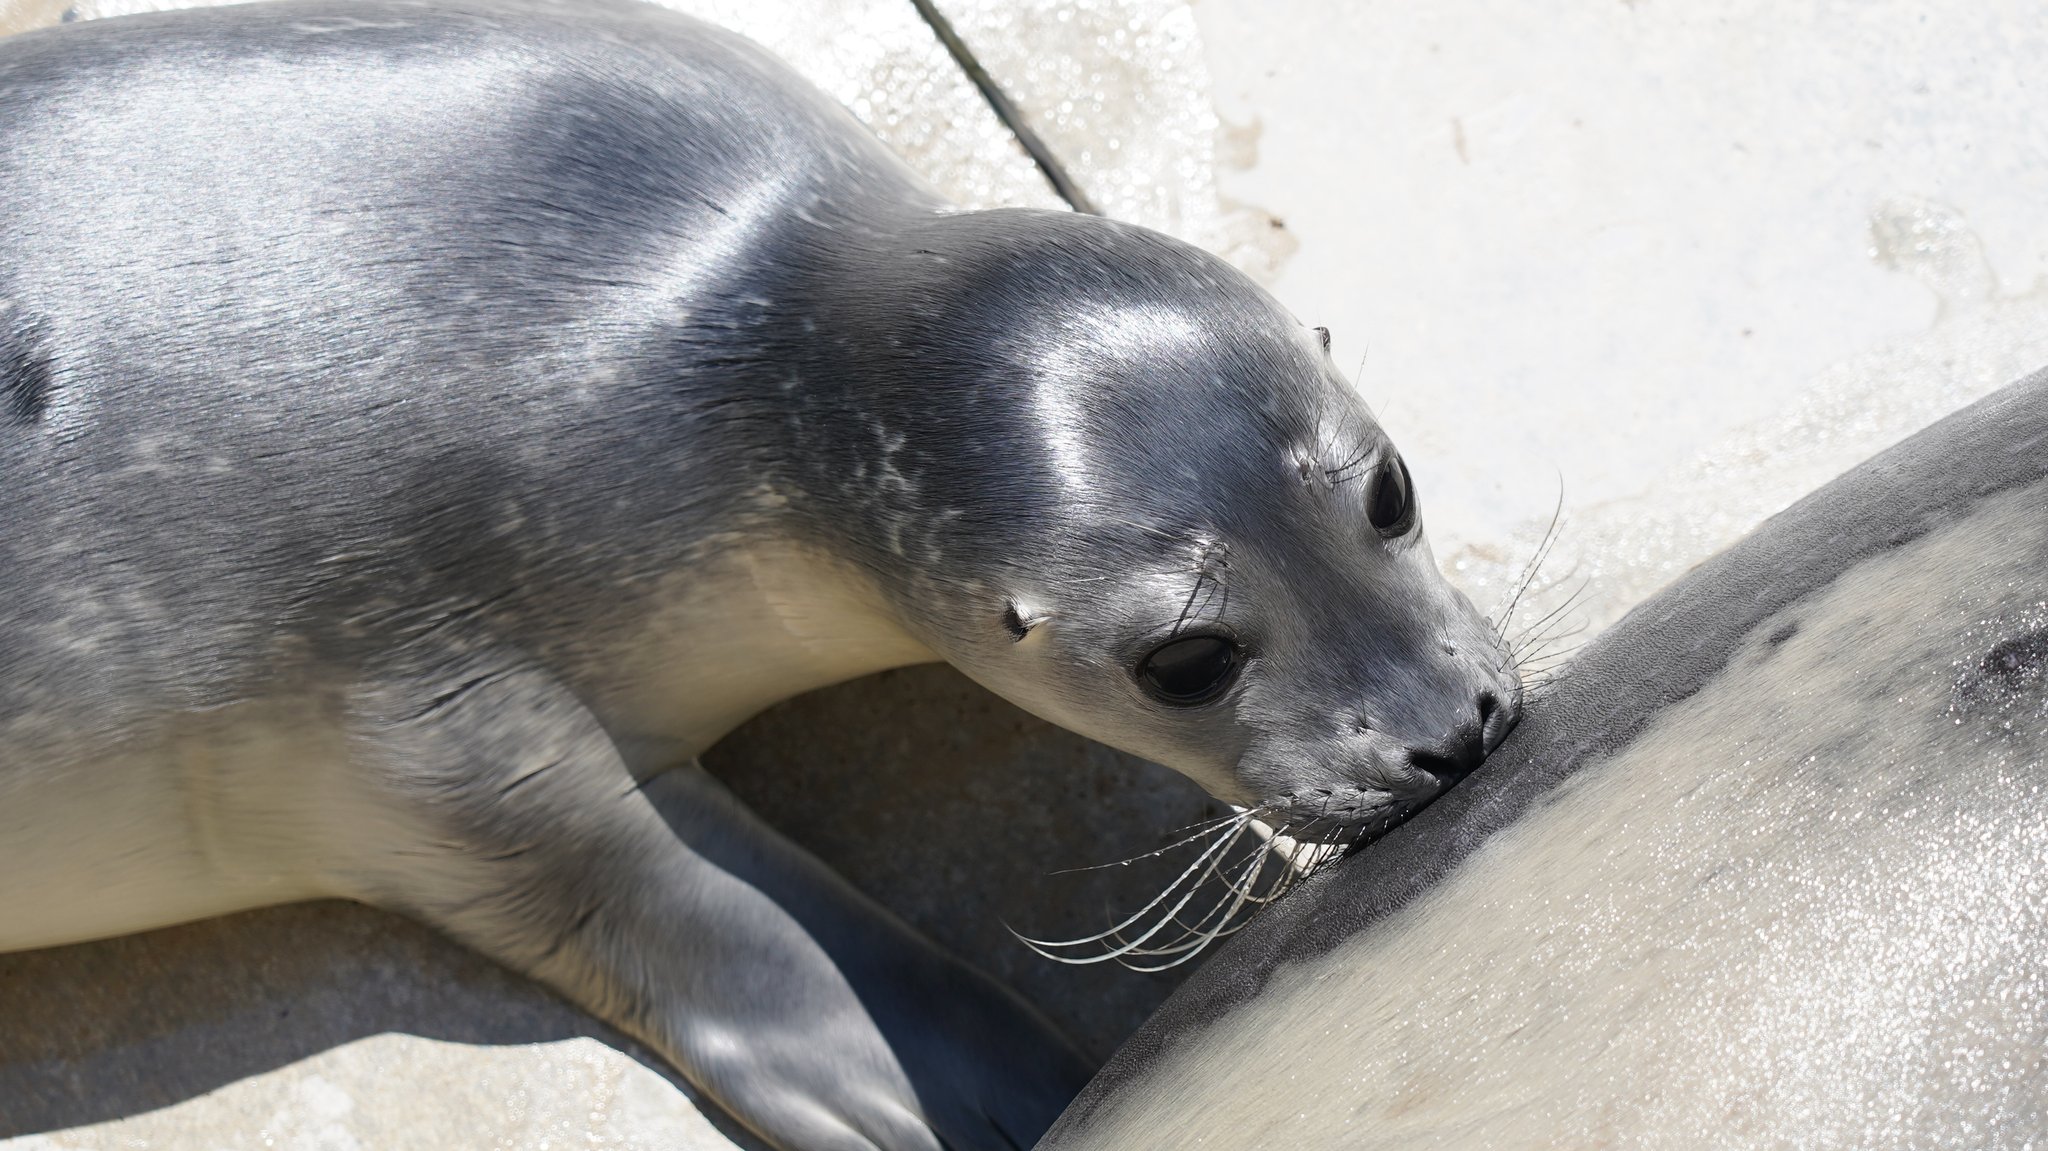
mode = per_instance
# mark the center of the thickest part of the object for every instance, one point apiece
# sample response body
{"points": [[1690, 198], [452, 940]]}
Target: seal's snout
{"points": [[1454, 758], [1469, 744]]}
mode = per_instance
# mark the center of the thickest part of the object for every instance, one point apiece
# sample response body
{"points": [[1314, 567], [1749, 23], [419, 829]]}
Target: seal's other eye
{"points": [[1391, 503], [1185, 672]]}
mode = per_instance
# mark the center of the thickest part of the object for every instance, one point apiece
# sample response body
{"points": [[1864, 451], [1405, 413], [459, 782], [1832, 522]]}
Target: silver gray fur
{"points": [[425, 428]]}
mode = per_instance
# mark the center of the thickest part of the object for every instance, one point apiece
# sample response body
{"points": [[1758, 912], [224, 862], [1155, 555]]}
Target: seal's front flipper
{"points": [[500, 812], [988, 1069]]}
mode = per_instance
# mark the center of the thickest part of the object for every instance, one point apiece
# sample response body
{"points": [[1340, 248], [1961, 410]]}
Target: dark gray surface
{"points": [[956, 810]]}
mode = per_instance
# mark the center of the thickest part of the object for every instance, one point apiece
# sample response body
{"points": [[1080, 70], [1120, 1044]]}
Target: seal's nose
{"points": [[1464, 749], [1496, 721]]}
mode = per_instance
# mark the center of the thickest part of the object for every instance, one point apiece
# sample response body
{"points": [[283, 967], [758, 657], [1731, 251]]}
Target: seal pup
{"points": [[426, 427], [1767, 864]]}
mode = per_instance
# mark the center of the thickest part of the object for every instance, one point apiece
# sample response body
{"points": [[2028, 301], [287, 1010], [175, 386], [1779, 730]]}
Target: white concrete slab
{"points": [[404, 1093], [1691, 259]]}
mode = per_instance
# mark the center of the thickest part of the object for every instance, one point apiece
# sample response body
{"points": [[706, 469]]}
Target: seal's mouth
{"points": [[1342, 815], [1241, 862], [1351, 817]]}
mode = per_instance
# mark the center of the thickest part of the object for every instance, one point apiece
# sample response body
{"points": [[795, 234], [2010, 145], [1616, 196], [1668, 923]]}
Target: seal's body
{"points": [[1766, 870], [423, 427]]}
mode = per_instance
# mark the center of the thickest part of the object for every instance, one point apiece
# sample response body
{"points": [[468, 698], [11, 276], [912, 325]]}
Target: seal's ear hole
{"points": [[1014, 623], [1391, 503], [1323, 338]]}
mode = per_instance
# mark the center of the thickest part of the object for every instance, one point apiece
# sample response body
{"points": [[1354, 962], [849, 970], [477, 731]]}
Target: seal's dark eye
{"points": [[1185, 672], [1391, 503]]}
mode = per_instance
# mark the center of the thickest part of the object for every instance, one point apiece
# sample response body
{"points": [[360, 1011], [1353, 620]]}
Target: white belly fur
{"points": [[219, 814], [254, 805]]}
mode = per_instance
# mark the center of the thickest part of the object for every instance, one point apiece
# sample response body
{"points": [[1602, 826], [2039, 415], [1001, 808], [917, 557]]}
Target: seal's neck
{"points": [[903, 374], [755, 624]]}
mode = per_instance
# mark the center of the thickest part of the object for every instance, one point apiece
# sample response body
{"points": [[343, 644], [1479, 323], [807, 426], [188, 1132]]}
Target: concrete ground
{"points": [[1683, 261]]}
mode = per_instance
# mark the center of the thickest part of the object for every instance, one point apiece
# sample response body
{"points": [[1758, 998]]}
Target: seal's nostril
{"points": [[1497, 718], [1455, 758], [1458, 754]]}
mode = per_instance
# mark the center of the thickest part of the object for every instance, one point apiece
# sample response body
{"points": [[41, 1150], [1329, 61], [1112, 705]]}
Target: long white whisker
{"points": [[1223, 845], [1201, 830], [1193, 940]]}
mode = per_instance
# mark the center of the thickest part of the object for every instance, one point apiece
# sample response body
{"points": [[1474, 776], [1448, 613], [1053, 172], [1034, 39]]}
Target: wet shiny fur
{"points": [[426, 428]]}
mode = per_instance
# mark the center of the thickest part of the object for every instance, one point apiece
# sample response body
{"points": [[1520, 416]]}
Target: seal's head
{"points": [[1164, 520]]}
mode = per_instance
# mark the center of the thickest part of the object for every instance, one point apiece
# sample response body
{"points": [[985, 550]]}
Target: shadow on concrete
{"points": [[98, 1031]]}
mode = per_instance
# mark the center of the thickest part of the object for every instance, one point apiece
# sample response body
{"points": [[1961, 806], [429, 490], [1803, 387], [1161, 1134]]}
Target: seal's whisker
{"points": [[1187, 951], [1186, 948], [1543, 678], [1182, 952], [1171, 917], [1239, 903], [1542, 646], [1549, 631], [1284, 879], [1204, 578], [1536, 628], [1549, 653], [1181, 620], [1303, 856], [1523, 586], [1336, 475], [1200, 925], [1236, 813], [1295, 871], [1224, 838], [1547, 675], [1245, 897], [1544, 579], [1229, 883], [1279, 861], [1500, 618], [1222, 846], [1242, 885], [1504, 612], [1291, 857], [1197, 831], [1548, 586], [1193, 939], [1216, 588]]}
